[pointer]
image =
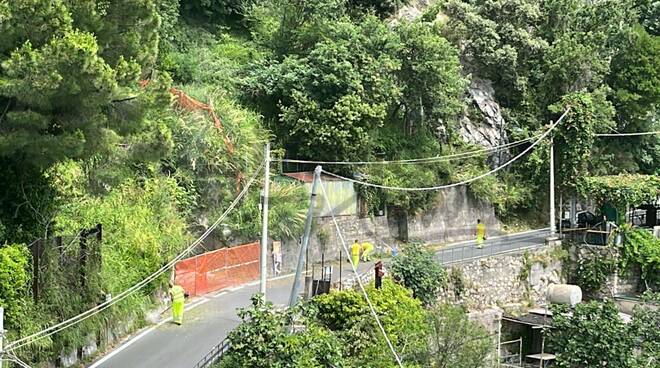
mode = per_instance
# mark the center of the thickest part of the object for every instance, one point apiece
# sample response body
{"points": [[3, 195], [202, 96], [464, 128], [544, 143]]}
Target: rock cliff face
{"points": [[482, 123], [485, 126]]}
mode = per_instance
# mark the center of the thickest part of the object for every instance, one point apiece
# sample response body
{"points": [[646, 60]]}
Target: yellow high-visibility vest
{"points": [[366, 246], [177, 293], [355, 249], [481, 230]]}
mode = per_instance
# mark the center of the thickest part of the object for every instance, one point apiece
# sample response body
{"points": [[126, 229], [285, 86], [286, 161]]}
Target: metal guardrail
{"points": [[470, 252], [214, 355]]}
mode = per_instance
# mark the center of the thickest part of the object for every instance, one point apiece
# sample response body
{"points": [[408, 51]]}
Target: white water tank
{"points": [[564, 294]]}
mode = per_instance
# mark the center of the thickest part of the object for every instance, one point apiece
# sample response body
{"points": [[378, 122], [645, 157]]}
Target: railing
{"points": [[468, 252], [509, 359], [214, 355]]}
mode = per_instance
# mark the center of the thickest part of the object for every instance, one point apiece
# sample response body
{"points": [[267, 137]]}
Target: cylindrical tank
{"points": [[564, 294]]}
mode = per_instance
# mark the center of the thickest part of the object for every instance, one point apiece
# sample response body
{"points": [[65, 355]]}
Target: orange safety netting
{"points": [[218, 269], [186, 102]]}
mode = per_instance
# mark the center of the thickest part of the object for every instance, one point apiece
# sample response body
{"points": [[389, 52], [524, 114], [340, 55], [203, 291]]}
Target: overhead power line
{"points": [[105, 305], [357, 277], [467, 181], [627, 134], [431, 159]]}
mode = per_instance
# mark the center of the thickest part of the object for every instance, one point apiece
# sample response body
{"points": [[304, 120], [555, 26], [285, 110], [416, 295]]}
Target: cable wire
{"points": [[467, 181], [627, 134], [357, 275], [432, 159], [101, 307]]}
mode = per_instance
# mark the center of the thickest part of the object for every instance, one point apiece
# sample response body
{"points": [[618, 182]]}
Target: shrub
{"points": [[593, 335], [14, 282], [455, 341], [403, 318], [417, 269]]}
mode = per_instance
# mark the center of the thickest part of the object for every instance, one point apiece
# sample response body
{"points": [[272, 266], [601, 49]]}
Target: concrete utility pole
{"points": [[553, 230], [305, 242], [264, 223], [552, 239]]}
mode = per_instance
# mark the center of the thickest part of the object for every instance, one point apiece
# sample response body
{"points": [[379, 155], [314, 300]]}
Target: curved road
{"points": [[209, 319]]}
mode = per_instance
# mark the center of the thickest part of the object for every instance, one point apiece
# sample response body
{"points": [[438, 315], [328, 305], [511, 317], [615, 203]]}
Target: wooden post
{"points": [[37, 248], [83, 256]]}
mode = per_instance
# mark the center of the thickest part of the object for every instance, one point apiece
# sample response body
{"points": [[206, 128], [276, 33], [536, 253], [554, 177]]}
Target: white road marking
{"points": [[217, 295], [143, 334]]}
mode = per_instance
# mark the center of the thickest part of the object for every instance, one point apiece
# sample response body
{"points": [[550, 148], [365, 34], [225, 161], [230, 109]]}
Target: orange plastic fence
{"points": [[218, 269]]}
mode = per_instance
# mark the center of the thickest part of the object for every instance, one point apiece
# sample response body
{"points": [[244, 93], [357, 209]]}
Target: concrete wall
{"points": [[452, 218], [504, 281]]}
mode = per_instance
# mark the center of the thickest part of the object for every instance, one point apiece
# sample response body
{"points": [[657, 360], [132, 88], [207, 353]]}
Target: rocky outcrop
{"points": [[411, 11], [484, 124]]}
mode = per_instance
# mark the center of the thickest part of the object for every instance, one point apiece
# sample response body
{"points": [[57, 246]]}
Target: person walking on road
{"points": [[355, 253], [481, 234], [367, 249], [178, 296]]}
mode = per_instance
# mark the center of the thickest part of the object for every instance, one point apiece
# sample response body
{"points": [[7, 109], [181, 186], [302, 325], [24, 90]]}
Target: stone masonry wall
{"points": [[453, 218], [505, 280]]}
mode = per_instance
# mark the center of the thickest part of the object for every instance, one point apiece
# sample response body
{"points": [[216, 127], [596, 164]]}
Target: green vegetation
{"points": [[641, 249], [594, 335], [338, 329], [592, 272], [622, 191], [96, 127], [418, 270]]}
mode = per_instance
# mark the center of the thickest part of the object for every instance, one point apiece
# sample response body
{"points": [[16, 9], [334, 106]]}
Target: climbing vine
{"points": [[640, 248], [621, 190]]}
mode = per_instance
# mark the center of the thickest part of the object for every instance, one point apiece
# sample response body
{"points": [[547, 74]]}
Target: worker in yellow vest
{"points": [[481, 234], [367, 249], [178, 296], [355, 253]]}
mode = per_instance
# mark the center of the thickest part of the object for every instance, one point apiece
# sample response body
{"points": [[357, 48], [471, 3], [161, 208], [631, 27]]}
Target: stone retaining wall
{"points": [[452, 218], [499, 281]]}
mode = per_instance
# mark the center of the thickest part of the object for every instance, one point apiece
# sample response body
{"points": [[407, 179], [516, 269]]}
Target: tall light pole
{"points": [[553, 230], [264, 223]]}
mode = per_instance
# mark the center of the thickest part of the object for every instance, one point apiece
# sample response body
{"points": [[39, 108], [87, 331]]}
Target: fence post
{"points": [[83, 257], [196, 275], [36, 264]]}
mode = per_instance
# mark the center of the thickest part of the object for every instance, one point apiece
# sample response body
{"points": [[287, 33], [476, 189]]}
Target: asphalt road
{"points": [[206, 323], [467, 250], [210, 318]]}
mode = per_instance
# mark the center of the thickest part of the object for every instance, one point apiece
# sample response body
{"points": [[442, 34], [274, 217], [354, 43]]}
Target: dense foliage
{"points": [[591, 273], [456, 341], [593, 335], [264, 339], [622, 191], [338, 329], [90, 131], [418, 270], [14, 283], [641, 249]]}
